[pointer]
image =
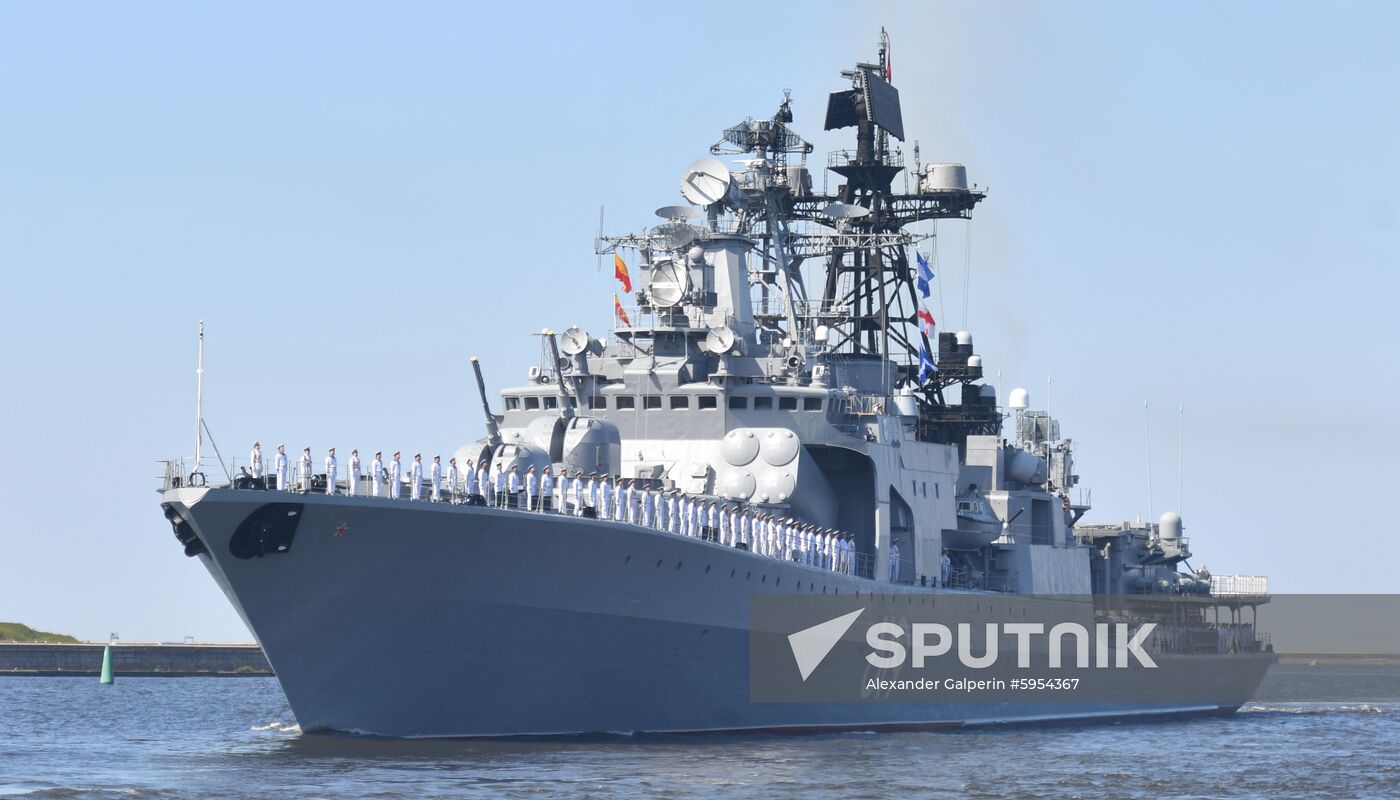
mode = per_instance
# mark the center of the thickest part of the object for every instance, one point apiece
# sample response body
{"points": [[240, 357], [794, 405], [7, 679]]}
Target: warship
{"points": [[776, 359]]}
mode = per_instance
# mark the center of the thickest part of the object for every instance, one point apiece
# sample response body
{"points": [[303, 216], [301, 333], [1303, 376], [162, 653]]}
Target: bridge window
{"points": [[652, 402], [550, 401], [679, 402], [738, 402], [512, 403], [626, 401], [811, 404], [597, 401], [787, 403], [762, 402], [532, 403], [708, 402]]}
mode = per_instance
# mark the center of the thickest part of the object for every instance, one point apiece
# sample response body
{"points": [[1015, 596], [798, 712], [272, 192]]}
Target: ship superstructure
{"points": [[773, 357]]}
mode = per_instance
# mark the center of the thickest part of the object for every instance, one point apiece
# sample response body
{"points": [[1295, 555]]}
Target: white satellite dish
{"points": [[669, 283], [575, 340], [720, 340], [677, 212], [1020, 399], [845, 211], [705, 182]]}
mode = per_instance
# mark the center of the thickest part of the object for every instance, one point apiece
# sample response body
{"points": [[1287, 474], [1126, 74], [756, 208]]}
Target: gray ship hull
{"points": [[436, 620]]}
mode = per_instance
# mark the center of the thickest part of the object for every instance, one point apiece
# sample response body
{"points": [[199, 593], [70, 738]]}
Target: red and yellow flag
{"points": [[620, 271], [621, 314]]}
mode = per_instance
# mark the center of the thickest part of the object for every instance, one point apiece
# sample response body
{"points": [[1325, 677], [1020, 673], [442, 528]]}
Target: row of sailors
{"points": [[595, 495]]}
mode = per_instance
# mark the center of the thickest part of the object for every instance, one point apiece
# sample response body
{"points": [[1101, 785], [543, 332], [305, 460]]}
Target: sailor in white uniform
{"points": [[306, 470], [620, 500], [453, 477], [498, 484], [945, 565], [376, 474], [483, 482], [578, 493], [435, 475], [395, 476], [603, 498], [352, 480], [648, 504], [255, 460], [415, 478], [724, 531], [513, 487], [332, 470], [282, 468], [894, 561], [532, 488], [468, 480], [630, 495], [546, 487]]}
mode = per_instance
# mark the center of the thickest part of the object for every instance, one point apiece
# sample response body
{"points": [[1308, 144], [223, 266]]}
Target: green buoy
{"points": [[106, 679]]}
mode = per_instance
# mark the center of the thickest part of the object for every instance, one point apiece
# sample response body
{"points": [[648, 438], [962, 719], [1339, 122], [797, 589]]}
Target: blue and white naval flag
{"points": [[925, 275], [926, 365]]}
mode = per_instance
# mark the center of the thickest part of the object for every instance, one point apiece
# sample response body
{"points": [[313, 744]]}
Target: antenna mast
{"points": [[199, 402], [1147, 434]]}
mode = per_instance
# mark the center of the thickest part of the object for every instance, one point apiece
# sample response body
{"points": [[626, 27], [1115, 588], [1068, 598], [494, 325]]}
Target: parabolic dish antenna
{"points": [[845, 211], [669, 282], [720, 340], [705, 182], [574, 340], [677, 212]]}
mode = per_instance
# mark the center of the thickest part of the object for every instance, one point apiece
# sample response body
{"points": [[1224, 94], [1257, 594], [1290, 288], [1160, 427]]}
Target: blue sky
{"points": [[1191, 203]]}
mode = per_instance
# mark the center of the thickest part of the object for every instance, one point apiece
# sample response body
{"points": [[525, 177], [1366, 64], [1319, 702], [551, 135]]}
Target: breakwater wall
{"points": [[170, 660]]}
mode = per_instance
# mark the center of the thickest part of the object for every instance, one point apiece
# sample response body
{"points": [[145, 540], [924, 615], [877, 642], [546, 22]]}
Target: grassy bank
{"points": [[16, 632]]}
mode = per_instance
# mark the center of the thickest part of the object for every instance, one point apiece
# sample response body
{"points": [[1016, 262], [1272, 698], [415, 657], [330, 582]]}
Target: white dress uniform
{"points": [[578, 496], [282, 469], [352, 481], [648, 502], [305, 472], [395, 474], [255, 458], [483, 484], [469, 480], [376, 476], [332, 470], [546, 487], [513, 486], [894, 561], [498, 484], [452, 478], [435, 475], [532, 488], [604, 500], [415, 480]]}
